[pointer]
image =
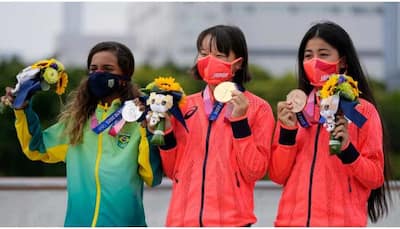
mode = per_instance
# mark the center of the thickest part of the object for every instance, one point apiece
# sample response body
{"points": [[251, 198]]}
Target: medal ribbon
{"points": [[115, 120], [309, 115], [349, 110], [213, 110]]}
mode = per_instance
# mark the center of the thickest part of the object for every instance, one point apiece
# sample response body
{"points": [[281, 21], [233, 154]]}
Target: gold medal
{"points": [[223, 92], [298, 99]]}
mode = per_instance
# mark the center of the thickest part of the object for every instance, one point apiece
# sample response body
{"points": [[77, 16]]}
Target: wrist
{"points": [[345, 145], [287, 136], [287, 126], [240, 128], [349, 155]]}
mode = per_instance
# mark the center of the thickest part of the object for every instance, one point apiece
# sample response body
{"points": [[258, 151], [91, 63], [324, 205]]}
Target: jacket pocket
{"points": [[182, 174], [349, 184], [176, 179], [237, 180]]}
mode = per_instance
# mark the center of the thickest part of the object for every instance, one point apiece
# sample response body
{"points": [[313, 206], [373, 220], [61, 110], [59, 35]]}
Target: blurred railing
{"points": [[41, 202], [57, 183], [60, 183]]}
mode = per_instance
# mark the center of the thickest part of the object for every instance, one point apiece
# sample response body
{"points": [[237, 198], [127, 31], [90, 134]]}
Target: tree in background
{"points": [[272, 88]]}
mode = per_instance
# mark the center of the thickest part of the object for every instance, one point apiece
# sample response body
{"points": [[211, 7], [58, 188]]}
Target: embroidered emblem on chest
{"points": [[123, 140]]}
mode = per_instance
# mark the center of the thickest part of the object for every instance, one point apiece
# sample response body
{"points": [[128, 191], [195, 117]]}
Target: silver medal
{"points": [[131, 112]]}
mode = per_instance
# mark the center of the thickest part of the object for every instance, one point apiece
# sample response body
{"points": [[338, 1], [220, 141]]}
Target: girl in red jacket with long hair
{"points": [[320, 189]]}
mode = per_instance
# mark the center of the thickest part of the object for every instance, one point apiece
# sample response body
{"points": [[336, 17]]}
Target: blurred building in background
{"points": [[168, 31], [73, 46], [162, 32], [392, 45]]}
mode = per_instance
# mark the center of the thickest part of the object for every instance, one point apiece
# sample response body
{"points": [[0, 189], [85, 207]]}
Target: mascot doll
{"points": [[165, 96]]}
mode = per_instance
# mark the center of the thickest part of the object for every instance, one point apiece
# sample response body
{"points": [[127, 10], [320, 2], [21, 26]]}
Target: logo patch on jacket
{"points": [[123, 140], [190, 112]]}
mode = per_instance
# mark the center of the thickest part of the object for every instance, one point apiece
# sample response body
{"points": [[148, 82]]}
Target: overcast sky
{"points": [[29, 29]]}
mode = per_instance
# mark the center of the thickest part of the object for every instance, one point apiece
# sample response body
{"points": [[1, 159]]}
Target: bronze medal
{"points": [[298, 99]]}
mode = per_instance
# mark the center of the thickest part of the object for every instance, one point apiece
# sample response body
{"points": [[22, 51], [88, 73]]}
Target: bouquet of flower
{"points": [[339, 94], [39, 76], [164, 95]]}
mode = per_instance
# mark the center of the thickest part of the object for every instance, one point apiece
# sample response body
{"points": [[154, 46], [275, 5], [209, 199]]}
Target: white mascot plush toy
{"points": [[159, 105]]}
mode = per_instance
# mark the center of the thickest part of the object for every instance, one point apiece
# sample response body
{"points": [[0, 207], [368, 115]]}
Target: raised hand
{"points": [[240, 104], [285, 114]]}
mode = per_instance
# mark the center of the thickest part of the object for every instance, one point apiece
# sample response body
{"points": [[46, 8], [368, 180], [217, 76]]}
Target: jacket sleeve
{"points": [[364, 156], [48, 146], [283, 156], [168, 153], [252, 142], [149, 160]]}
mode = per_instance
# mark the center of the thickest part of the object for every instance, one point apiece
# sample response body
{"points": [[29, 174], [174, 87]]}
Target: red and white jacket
{"points": [[324, 190], [214, 166]]}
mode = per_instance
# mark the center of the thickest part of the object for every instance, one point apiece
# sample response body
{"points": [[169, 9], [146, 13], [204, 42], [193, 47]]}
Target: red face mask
{"points": [[318, 71], [214, 71]]}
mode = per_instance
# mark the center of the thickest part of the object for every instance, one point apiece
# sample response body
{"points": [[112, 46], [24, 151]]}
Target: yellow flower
{"points": [[169, 84], [340, 83], [41, 64], [53, 72], [354, 85], [324, 94], [329, 87], [62, 83], [51, 75]]}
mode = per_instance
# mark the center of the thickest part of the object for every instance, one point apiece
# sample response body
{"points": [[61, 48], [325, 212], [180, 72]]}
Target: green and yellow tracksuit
{"points": [[105, 174]]}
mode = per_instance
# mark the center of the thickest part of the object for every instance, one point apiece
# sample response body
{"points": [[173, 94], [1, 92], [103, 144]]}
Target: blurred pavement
{"points": [[26, 202]]}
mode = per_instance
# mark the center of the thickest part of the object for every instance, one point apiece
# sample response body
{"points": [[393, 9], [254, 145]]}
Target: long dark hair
{"points": [[337, 37], [227, 38], [82, 104]]}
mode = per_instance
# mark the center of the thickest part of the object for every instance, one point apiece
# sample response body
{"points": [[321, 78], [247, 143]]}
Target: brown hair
{"points": [[83, 104]]}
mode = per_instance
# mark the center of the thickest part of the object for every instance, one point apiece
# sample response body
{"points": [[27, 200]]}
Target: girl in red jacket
{"points": [[215, 164], [320, 189]]}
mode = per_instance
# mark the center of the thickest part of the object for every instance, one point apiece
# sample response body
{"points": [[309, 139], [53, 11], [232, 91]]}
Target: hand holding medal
{"points": [[290, 110], [298, 100]]}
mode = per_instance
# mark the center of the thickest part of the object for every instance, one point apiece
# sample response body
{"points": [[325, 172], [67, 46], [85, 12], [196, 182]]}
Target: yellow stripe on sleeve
{"points": [[53, 154], [145, 170]]}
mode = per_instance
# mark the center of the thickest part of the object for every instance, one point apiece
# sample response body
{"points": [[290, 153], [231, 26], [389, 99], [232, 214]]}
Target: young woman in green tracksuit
{"points": [[106, 168]]}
